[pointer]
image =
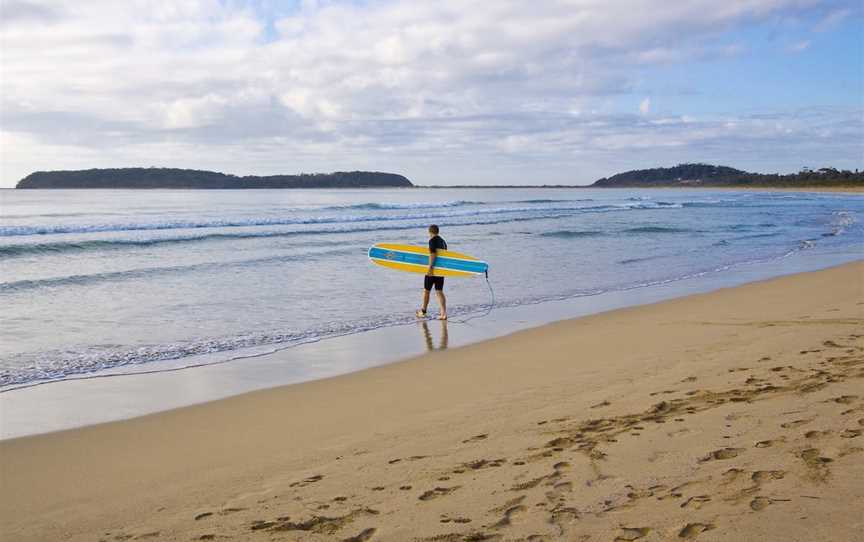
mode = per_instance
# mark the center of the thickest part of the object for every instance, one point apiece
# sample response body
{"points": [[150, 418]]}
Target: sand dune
{"points": [[735, 415]]}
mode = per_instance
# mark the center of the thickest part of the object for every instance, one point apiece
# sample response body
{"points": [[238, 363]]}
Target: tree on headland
{"points": [[710, 175], [190, 178]]}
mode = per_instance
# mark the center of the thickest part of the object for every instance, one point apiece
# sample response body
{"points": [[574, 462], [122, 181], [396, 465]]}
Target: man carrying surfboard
{"points": [[436, 243]]}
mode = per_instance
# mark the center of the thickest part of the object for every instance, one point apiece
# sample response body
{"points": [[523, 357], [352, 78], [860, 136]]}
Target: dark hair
{"points": [[433, 229]]}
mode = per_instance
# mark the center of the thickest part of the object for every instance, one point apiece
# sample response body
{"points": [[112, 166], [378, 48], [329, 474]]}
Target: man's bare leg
{"points": [[422, 312], [442, 301]]}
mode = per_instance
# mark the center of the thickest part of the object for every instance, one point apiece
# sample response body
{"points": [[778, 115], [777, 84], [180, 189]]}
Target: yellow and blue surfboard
{"points": [[414, 259]]}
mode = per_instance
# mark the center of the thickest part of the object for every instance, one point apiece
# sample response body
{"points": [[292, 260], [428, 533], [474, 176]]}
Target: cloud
{"points": [[18, 11], [645, 106], [799, 47], [832, 19], [417, 86]]}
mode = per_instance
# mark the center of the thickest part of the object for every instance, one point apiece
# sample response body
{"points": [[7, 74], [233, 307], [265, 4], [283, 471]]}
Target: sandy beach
{"points": [[734, 415]]}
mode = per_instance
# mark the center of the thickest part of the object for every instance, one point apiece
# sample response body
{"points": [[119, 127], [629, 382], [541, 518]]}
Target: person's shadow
{"points": [[427, 335]]}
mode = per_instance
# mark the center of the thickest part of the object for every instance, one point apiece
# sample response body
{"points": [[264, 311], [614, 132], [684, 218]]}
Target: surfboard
{"points": [[414, 259]]}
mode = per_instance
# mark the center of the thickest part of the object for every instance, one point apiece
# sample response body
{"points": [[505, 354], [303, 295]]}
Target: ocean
{"points": [[94, 281]]}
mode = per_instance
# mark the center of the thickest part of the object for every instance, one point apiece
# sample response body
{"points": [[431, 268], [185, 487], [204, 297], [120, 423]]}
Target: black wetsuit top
{"points": [[435, 244]]}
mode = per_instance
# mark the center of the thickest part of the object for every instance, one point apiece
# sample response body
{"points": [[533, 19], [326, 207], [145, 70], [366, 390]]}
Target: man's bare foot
{"points": [[420, 313], [442, 316]]}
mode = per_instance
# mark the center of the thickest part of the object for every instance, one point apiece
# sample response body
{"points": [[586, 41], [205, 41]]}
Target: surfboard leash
{"points": [[488, 309]]}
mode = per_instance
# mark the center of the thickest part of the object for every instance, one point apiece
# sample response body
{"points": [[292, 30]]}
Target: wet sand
{"points": [[733, 415]]}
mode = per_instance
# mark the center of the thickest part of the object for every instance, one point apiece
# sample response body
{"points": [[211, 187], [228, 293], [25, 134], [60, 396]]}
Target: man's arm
{"points": [[432, 257]]}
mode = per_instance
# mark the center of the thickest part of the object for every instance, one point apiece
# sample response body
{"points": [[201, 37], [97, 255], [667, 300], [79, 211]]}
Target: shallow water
{"points": [[91, 279]]}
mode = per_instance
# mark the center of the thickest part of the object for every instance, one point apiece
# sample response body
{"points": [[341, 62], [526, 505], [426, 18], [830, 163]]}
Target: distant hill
{"points": [[708, 175], [191, 178]]}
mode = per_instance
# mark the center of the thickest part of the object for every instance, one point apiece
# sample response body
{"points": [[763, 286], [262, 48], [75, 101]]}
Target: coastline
{"points": [[136, 390], [569, 427], [813, 189], [816, 189]]}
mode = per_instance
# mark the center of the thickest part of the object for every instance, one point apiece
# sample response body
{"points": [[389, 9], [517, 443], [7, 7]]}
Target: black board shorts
{"points": [[428, 282]]}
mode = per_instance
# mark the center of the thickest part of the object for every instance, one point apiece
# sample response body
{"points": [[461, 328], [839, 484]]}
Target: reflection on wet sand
{"points": [[427, 335]]}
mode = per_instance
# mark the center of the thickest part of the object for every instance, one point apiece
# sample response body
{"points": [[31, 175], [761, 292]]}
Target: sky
{"points": [[443, 92]]}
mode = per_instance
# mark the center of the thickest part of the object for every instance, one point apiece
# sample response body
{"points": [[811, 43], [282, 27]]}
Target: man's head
{"points": [[433, 230]]}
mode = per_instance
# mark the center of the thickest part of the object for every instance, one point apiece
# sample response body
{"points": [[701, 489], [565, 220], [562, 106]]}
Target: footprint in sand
{"points": [[761, 476], [510, 516], [696, 502], [475, 438], [817, 465], [563, 517], [674, 493], [851, 433], [692, 530], [509, 504], [760, 503], [437, 492], [551, 479], [412, 458], [850, 450], [721, 454], [769, 443], [796, 423], [260, 524], [363, 536], [731, 475], [323, 525], [447, 519], [478, 464], [306, 481], [629, 534], [560, 443]]}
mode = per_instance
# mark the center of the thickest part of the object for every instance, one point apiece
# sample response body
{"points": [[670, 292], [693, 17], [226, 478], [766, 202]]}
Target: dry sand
{"points": [[735, 415]]}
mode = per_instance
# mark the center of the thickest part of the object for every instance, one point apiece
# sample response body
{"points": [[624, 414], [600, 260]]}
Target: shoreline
{"points": [[540, 432], [131, 391], [811, 189]]}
